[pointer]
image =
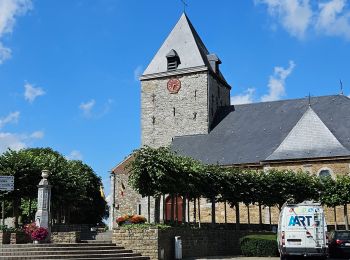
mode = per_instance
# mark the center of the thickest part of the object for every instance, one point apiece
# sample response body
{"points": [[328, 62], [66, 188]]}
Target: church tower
{"points": [[181, 89]]}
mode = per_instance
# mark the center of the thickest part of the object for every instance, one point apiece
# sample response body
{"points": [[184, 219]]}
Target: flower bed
{"points": [[131, 219], [36, 233]]}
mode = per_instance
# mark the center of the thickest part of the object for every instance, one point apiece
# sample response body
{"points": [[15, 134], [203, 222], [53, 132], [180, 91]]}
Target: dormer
{"points": [[214, 62], [173, 60]]}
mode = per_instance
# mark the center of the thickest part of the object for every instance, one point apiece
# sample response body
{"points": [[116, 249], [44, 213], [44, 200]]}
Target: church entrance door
{"points": [[178, 202]]}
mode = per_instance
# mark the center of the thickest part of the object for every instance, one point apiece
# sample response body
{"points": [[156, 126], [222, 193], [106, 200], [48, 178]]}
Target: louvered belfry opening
{"points": [[173, 60]]}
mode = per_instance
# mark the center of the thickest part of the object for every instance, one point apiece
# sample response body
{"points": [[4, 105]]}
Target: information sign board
{"points": [[7, 183]]}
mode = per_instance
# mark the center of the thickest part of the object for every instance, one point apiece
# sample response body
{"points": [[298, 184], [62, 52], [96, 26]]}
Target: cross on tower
{"points": [[185, 5]]}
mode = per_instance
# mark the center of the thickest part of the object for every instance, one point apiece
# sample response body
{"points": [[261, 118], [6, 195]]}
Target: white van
{"points": [[302, 230]]}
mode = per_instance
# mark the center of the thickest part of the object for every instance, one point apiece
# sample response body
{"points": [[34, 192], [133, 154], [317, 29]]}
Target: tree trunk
{"points": [[199, 212], [172, 209], [156, 209], [30, 210], [183, 209], [335, 218], [270, 219], [237, 217], [176, 210], [260, 216], [188, 210], [149, 209], [346, 217], [213, 210], [248, 211], [194, 211], [225, 209], [164, 208]]}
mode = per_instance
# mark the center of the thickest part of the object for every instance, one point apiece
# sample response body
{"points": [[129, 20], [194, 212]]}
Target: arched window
{"points": [[325, 172]]}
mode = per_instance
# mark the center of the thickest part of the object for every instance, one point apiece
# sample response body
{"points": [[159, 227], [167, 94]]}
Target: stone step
{"points": [[58, 245], [88, 251], [68, 252], [57, 248], [77, 256], [122, 258], [92, 241]]}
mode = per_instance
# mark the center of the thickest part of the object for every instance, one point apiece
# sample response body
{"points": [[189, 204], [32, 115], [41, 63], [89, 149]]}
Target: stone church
{"points": [[185, 104]]}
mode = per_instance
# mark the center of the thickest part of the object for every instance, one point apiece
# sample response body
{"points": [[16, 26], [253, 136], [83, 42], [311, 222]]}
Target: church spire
{"points": [[185, 41]]}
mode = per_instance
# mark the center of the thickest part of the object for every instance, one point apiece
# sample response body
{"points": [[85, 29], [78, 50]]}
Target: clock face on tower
{"points": [[174, 86]]}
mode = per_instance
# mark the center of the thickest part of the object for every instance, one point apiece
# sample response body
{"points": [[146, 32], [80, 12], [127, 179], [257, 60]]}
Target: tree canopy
{"points": [[75, 196]]}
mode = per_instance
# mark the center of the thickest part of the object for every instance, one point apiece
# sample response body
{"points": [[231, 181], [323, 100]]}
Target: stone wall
{"points": [[159, 243], [219, 95], [184, 113], [65, 237], [5, 237], [337, 167]]}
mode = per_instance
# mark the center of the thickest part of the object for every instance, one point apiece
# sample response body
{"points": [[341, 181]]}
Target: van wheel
{"points": [[283, 257]]}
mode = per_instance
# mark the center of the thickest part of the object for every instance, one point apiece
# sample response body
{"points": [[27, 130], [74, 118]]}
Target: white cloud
{"points": [[75, 155], [333, 19], [276, 83], [5, 53], [9, 10], [89, 111], [12, 141], [245, 98], [138, 72], [37, 135], [87, 107], [10, 118], [17, 141], [294, 15], [31, 92]]}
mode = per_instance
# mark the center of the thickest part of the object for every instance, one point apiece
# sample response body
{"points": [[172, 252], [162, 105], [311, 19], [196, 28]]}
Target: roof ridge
{"points": [[291, 99]]}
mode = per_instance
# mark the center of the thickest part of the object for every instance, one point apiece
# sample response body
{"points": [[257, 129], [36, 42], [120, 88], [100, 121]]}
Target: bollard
{"points": [[178, 247]]}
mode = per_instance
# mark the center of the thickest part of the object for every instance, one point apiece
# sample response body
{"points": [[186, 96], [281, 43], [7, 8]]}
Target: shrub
{"points": [[35, 232], [39, 234], [30, 228], [259, 245]]}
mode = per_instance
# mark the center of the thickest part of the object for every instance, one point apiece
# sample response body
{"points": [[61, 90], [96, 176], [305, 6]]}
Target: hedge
{"points": [[259, 245]]}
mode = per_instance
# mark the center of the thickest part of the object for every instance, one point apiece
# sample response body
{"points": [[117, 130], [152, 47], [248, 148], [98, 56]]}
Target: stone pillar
{"points": [[42, 216]]}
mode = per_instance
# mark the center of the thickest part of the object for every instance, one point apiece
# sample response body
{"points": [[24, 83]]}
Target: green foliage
{"points": [[75, 193], [259, 245], [160, 171], [145, 226]]}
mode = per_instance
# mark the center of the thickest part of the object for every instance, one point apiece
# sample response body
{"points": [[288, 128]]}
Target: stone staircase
{"points": [[88, 251]]}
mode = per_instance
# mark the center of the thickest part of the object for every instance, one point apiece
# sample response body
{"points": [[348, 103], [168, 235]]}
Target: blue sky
{"points": [[69, 68]]}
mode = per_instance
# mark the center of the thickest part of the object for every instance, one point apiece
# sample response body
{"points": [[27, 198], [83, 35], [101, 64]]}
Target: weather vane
{"points": [[309, 99], [185, 5]]}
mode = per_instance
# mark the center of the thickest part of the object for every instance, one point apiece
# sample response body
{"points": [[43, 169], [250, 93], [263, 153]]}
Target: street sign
{"points": [[7, 183]]}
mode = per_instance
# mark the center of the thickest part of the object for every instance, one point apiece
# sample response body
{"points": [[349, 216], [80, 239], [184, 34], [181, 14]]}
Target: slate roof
{"points": [[185, 41], [311, 137], [190, 48], [250, 133]]}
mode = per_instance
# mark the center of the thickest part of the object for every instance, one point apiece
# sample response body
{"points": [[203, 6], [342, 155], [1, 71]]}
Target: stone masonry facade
{"points": [[130, 202], [165, 115]]}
